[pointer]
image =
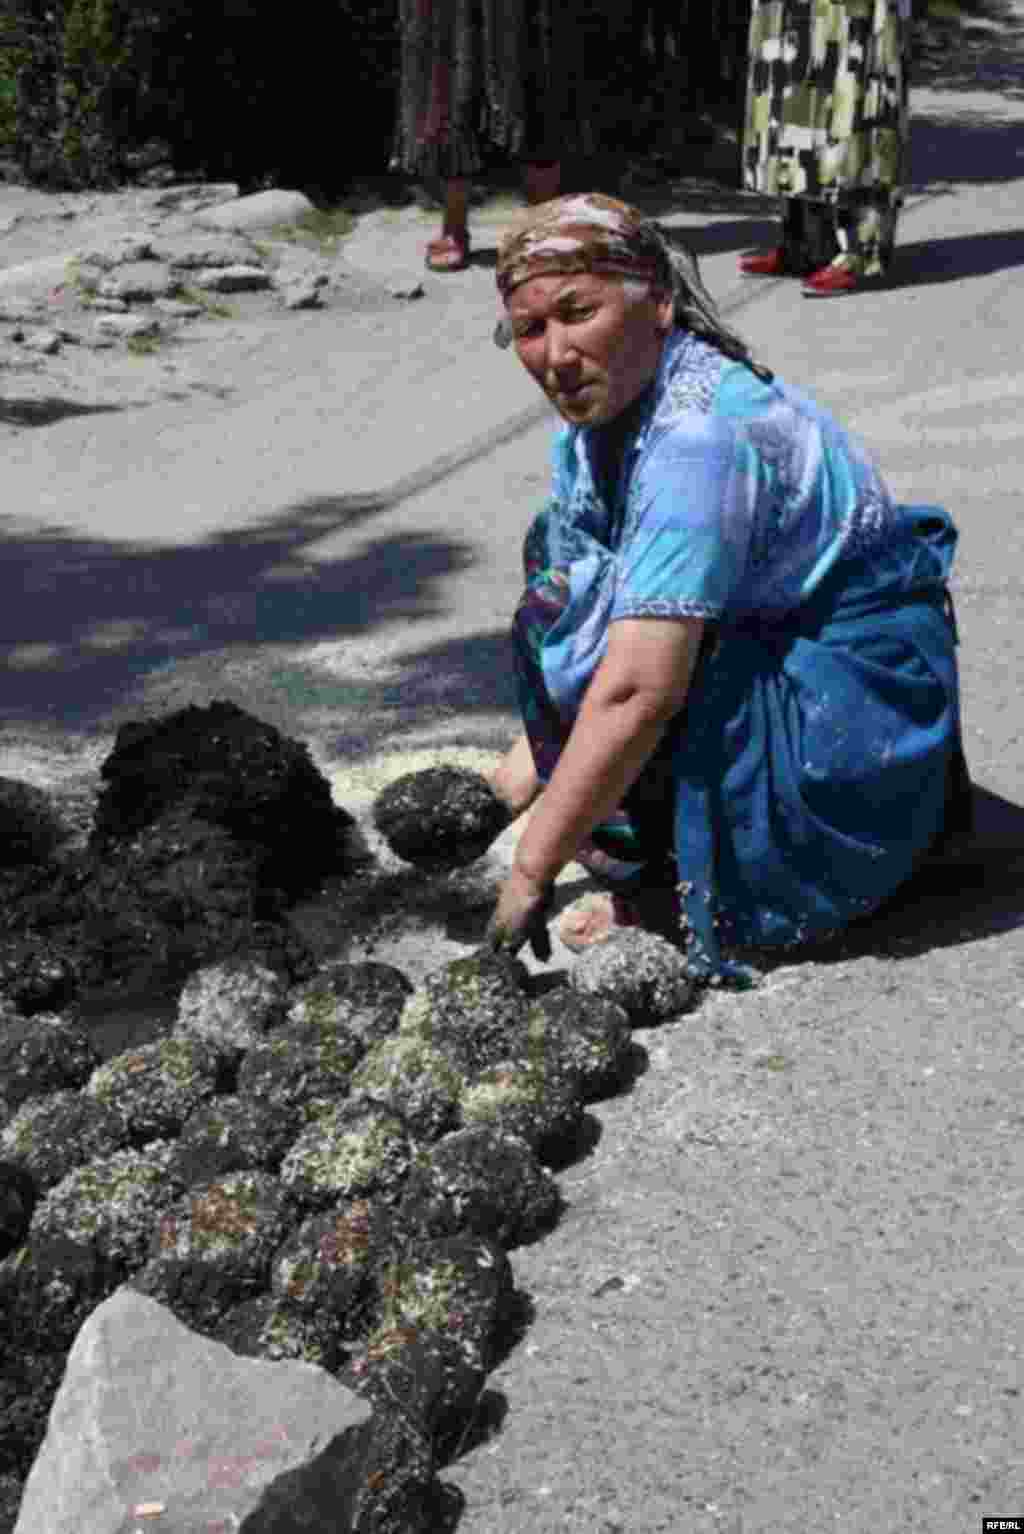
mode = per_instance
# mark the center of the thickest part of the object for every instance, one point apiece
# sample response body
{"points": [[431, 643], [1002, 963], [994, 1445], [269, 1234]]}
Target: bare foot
{"points": [[593, 918]]}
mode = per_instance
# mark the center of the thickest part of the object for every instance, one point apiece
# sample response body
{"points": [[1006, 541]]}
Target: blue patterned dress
{"points": [[808, 772]]}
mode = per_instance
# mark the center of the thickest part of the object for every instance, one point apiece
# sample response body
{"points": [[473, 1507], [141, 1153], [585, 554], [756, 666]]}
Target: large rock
{"points": [[149, 1413], [263, 210]]}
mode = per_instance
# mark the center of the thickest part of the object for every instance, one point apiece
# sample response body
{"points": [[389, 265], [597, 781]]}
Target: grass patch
{"points": [[213, 308], [83, 283], [143, 346], [323, 230]]}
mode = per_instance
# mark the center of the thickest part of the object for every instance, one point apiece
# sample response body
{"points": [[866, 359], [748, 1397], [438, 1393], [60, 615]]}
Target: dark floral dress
{"points": [[479, 75]]}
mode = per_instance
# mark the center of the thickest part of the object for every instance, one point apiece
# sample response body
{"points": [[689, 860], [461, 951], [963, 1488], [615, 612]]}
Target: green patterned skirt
{"points": [[826, 124]]}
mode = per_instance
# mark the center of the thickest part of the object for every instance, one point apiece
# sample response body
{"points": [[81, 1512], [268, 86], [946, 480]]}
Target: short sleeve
{"points": [[688, 525]]}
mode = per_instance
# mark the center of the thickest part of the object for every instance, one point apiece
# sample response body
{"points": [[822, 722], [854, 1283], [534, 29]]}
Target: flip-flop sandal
{"points": [[450, 253]]}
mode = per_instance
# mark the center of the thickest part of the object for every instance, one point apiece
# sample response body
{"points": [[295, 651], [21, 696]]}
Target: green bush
{"points": [[301, 94], [237, 88]]}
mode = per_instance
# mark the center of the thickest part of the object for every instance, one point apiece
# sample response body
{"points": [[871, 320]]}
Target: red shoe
{"points": [[450, 253], [764, 263], [830, 281]]}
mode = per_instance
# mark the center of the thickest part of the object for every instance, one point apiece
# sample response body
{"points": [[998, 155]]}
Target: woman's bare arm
{"points": [[640, 686]]}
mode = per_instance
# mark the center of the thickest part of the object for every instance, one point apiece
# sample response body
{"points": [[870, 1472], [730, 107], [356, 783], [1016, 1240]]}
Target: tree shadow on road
{"points": [[86, 623], [970, 148], [921, 263]]}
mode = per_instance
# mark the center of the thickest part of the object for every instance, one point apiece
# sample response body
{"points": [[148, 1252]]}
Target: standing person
{"points": [[826, 130], [735, 651], [479, 74]]}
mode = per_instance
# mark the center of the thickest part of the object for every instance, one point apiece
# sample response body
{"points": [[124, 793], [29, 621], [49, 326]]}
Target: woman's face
{"points": [[591, 345]]}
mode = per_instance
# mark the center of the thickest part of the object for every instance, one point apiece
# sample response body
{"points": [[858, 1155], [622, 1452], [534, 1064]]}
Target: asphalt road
{"points": [[812, 1196]]}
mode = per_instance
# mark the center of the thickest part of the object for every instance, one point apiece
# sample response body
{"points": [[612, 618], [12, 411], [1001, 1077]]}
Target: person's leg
{"points": [[855, 243], [541, 181], [450, 251], [785, 258]]}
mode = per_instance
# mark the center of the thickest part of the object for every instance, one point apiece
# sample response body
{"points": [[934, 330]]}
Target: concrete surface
{"points": [[811, 1199]]}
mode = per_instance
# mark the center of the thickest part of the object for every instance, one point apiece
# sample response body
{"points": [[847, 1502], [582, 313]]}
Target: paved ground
{"points": [[788, 1291]]}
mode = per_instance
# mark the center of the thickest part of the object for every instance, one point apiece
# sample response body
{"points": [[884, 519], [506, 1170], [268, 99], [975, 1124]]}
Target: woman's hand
{"points": [[521, 917]]}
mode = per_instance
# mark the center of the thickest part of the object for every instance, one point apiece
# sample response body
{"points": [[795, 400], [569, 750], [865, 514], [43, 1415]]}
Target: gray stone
{"points": [[189, 251], [263, 210], [47, 342], [110, 305], [160, 175], [302, 295], [178, 309], [126, 326], [211, 194], [33, 280], [121, 249], [143, 280], [13, 312], [152, 1416], [406, 287], [233, 279]]}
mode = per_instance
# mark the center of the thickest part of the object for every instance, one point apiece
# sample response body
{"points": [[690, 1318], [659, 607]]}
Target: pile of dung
{"points": [[444, 817], [209, 826]]}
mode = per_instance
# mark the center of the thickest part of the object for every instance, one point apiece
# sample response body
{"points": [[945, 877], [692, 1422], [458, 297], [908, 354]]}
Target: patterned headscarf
{"points": [[586, 233], [589, 232]]}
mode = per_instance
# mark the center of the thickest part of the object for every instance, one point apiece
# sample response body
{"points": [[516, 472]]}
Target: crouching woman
{"points": [[735, 652]]}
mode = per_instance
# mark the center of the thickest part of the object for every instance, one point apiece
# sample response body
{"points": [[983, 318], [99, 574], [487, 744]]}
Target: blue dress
{"points": [[807, 774]]}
